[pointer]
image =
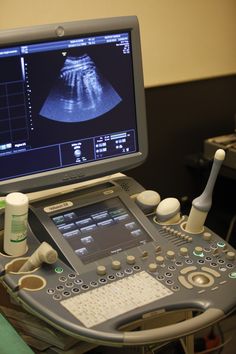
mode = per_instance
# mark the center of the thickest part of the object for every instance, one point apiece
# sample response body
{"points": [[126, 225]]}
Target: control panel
{"points": [[122, 252]]}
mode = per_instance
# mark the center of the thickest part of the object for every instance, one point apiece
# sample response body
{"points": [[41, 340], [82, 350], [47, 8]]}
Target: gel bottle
{"points": [[15, 224]]}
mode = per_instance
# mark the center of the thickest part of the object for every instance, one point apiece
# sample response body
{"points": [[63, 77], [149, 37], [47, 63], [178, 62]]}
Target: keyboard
{"points": [[111, 300]]}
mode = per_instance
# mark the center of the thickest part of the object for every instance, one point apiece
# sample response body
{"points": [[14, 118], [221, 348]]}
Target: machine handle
{"points": [[173, 331], [149, 336]]}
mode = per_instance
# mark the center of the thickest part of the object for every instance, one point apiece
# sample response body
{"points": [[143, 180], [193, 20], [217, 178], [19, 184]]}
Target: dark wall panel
{"points": [[179, 118]]}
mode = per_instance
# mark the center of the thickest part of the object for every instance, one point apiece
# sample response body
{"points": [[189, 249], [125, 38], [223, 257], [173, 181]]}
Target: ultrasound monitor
{"points": [[71, 103]]}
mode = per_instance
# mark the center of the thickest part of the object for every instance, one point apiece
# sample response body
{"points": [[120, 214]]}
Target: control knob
{"points": [[207, 236], [116, 265], [198, 250], [130, 259], [152, 267], [183, 251], [170, 254], [168, 211], [160, 260], [148, 200], [230, 256], [101, 270]]}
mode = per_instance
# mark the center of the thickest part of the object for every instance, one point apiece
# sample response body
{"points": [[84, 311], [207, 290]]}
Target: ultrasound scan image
{"points": [[80, 92]]}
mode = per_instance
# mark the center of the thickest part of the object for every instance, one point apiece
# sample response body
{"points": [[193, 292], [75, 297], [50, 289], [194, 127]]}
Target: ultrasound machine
{"points": [[72, 120]]}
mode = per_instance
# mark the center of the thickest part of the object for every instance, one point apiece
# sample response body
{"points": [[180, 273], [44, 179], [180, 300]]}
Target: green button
{"points": [[232, 275], [220, 244], [59, 270], [198, 254]]}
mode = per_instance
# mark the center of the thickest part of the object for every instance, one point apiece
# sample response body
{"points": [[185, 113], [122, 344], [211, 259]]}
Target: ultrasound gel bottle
{"points": [[15, 224]]}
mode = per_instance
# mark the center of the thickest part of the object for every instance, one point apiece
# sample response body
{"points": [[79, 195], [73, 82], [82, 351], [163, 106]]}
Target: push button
{"points": [[101, 270], [232, 275]]}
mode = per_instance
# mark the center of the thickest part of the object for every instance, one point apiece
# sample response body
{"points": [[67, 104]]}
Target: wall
{"points": [[179, 118], [182, 40]]}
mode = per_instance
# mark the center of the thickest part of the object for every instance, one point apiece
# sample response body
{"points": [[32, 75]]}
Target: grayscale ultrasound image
{"points": [[80, 92]]}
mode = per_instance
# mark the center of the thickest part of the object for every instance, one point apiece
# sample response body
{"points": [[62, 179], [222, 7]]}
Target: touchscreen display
{"points": [[99, 230]]}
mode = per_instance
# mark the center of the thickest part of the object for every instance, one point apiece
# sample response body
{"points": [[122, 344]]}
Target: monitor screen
{"points": [[71, 103]]}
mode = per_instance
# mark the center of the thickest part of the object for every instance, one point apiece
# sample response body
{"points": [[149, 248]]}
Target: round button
{"points": [[189, 261], [58, 270], [172, 267], [72, 275], [57, 297], [66, 293], [229, 265], [60, 287], [63, 279], [170, 254], [130, 259], [152, 267], [85, 287], [183, 251], [168, 274], [230, 256], [128, 270], [101, 270], [207, 236], [102, 280], [209, 259], [69, 284], [198, 250], [221, 261], [136, 267], [222, 269], [120, 274], [221, 244], [75, 290], [232, 275], [116, 265], [94, 283], [160, 260], [201, 261]]}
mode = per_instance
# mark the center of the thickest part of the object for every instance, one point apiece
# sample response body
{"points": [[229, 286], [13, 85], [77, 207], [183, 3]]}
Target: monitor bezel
{"points": [[90, 170]]}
